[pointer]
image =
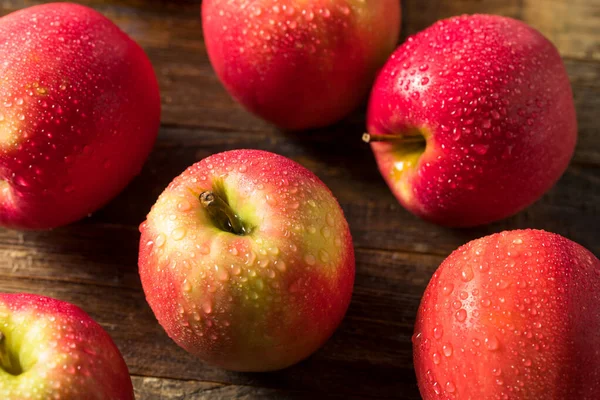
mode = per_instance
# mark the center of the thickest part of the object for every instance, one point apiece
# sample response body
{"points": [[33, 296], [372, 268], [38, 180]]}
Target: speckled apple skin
{"points": [[493, 99], [79, 114], [514, 315], [258, 302], [299, 63], [67, 355]]}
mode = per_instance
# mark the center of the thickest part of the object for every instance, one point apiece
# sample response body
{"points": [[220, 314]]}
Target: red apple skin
{"points": [[492, 97], [79, 114], [299, 63], [514, 315], [72, 357], [258, 302]]}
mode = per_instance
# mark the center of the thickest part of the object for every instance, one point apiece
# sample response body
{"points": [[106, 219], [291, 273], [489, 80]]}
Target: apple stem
{"points": [[374, 137], [221, 213]]}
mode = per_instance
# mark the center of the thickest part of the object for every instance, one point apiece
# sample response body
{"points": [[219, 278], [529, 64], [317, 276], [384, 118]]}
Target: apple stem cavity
{"points": [[221, 213], [397, 139], [7, 361]]}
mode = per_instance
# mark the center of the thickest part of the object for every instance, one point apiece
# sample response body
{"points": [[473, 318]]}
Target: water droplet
{"points": [[447, 349], [178, 233], [310, 259], [323, 256], [447, 290], [187, 287], [424, 81], [518, 241], [271, 200], [222, 275], [330, 220], [264, 262], [184, 206], [461, 315], [481, 149], [207, 307], [450, 388], [467, 274], [260, 285], [160, 240], [492, 343], [281, 266], [326, 232], [436, 358], [438, 332]]}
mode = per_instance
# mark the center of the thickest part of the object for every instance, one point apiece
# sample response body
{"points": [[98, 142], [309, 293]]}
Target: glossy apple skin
{"points": [[258, 302], [299, 63], [493, 99], [79, 114], [514, 315], [66, 354]]}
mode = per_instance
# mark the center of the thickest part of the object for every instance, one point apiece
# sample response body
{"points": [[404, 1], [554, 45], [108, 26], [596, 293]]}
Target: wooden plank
{"points": [[572, 25], [418, 14], [369, 356], [150, 388]]}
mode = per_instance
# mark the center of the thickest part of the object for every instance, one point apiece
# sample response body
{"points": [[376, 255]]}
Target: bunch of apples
{"points": [[246, 258]]}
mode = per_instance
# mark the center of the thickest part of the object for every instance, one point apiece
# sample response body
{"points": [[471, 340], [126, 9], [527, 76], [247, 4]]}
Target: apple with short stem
{"points": [[79, 114], [50, 349], [247, 261], [472, 120], [299, 63]]}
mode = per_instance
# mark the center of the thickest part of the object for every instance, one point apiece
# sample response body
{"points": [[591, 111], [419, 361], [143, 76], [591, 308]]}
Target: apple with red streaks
{"points": [[79, 114], [247, 261], [299, 63], [472, 120], [50, 349], [515, 315]]}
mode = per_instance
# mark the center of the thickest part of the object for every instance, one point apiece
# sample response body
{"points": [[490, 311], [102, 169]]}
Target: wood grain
{"points": [[150, 388], [373, 342], [93, 263]]}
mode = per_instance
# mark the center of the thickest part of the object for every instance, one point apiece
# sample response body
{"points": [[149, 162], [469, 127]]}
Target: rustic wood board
{"points": [[93, 263]]}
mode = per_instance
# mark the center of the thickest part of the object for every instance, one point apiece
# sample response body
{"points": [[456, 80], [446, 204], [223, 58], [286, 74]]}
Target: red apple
{"points": [[79, 113], [50, 349], [299, 63], [514, 315], [247, 261], [472, 120]]}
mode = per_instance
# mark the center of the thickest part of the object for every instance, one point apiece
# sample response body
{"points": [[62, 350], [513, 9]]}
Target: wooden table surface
{"points": [[93, 263]]}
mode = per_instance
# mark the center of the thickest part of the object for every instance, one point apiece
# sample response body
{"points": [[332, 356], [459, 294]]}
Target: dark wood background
{"points": [[93, 263]]}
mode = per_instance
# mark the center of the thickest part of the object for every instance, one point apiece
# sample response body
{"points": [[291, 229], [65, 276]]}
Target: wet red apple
{"points": [[514, 315], [50, 349], [247, 261], [79, 114], [472, 120], [299, 63]]}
